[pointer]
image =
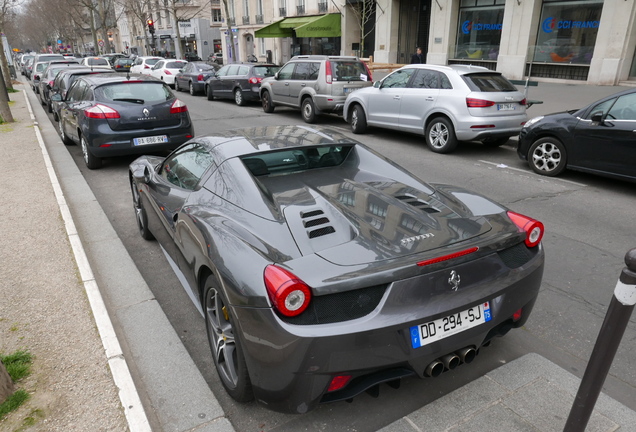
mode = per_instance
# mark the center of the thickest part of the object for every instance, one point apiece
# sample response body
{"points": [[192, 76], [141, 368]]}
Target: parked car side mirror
{"points": [[276, 76], [56, 97], [377, 84], [597, 117]]}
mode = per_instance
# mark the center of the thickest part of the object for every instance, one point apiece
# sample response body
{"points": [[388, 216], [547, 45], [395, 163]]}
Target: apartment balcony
{"points": [[322, 7], [282, 12], [246, 20], [231, 21], [259, 19], [300, 10]]}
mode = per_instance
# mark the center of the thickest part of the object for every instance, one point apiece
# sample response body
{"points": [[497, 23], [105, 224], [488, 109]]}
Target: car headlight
{"points": [[532, 121]]}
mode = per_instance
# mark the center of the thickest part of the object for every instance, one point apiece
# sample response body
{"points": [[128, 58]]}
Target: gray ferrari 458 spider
{"points": [[324, 269]]}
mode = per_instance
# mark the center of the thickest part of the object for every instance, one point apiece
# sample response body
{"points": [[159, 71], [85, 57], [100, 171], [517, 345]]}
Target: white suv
{"points": [[447, 104], [315, 84]]}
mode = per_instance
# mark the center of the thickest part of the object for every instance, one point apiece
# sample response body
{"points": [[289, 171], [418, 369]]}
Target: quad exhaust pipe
{"points": [[450, 361]]}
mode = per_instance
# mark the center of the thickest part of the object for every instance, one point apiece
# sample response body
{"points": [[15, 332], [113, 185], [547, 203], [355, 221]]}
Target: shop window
{"points": [[567, 31], [480, 24]]}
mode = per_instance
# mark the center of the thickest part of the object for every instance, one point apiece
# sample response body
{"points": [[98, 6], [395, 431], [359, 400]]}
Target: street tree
{"points": [[138, 12], [180, 11], [7, 12], [366, 17]]}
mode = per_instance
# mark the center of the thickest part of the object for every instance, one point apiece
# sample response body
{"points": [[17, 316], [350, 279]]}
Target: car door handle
{"points": [[396, 97], [286, 83], [430, 98], [303, 85]]}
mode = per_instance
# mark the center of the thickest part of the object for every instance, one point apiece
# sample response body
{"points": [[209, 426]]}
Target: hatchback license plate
{"points": [[151, 140], [506, 107], [348, 90], [425, 334]]}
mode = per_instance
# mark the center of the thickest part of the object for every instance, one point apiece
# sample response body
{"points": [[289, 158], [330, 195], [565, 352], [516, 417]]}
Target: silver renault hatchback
{"points": [[446, 104], [315, 84]]}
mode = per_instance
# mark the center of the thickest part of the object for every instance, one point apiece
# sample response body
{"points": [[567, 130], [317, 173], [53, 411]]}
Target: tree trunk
{"points": [[5, 66], [6, 384], [5, 111]]}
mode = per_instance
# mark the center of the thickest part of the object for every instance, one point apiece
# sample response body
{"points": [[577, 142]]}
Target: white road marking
{"points": [[499, 165]]}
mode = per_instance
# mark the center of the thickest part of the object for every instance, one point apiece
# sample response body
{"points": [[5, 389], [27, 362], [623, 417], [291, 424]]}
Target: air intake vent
{"points": [[316, 218], [420, 205]]}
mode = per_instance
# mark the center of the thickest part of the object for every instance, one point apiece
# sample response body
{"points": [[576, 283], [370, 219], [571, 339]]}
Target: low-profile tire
{"points": [[176, 85], [92, 161], [358, 120], [65, 139], [140, 213], [209, 92], [191, 88], [238, 97], [266, 101], [440, 135], [225, 343], [495, 142], [547, 156], [308, 110]]}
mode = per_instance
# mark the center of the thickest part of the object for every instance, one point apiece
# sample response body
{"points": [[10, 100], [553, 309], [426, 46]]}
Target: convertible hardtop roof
{"points": [[241, 142]]}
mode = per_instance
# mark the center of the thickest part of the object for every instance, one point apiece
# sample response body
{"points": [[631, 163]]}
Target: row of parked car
{"points": [[446, 104]]}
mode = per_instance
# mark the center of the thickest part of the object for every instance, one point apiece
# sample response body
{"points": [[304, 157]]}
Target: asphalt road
{"points": [[589, 227]]}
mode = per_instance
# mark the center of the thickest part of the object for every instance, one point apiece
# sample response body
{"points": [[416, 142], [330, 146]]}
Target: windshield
{"points": [[133, 92], [265, 71], [295, 160]]}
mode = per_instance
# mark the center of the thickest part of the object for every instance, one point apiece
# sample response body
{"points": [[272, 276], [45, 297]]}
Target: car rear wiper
{"points": [[137, 101]]}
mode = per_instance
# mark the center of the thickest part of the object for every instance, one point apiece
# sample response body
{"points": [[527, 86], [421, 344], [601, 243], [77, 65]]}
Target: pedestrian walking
{"points": [[417, 57]]}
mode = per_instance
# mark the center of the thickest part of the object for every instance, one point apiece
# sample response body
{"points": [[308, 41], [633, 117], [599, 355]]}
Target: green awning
{"points": [[310, 26]]}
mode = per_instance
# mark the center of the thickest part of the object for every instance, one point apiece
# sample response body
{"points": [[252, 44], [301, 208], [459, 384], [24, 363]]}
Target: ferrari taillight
{"points": [[289, 295], [533, 228], [178, 107]]}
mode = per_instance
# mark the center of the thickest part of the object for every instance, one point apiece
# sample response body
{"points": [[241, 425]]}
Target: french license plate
{"points": [[506, 107], [441, 328], [151, 140], [348, 90]]}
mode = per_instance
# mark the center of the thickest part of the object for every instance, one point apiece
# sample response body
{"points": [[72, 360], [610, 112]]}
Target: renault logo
{"points": [[454, 280], [146, 112]]}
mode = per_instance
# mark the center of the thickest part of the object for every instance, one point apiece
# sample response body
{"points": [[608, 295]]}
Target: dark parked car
{"points": [[63, 82], [240, 82], [598, 139], [122, 64], [113, 115], [324, 269], [193, 76], [48, 78]]}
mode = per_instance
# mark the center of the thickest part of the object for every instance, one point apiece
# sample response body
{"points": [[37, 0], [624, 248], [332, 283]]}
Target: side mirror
{"points": [[597, 117], [276, 76], [377, 84], [56, 97]]}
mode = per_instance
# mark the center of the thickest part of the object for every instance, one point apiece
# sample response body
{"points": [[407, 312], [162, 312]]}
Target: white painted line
{"points": [[128, 395], [530, 172]]}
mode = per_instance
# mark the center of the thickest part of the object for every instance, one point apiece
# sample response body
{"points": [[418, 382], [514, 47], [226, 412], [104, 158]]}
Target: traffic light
{"points": [[151, 26]]}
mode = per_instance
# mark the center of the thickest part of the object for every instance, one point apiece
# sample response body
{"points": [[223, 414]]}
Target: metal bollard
{"points": [[612, 330]]}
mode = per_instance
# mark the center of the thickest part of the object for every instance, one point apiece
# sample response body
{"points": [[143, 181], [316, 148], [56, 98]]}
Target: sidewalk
{"points": [[46, 310]]}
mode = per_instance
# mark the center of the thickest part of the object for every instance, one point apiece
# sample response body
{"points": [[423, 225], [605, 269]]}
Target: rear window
{"points": [[175, 65], [488, 82], [152, 61], [123, 61], [296, 160], [349, 71], [133, 92], [265, 71]]}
